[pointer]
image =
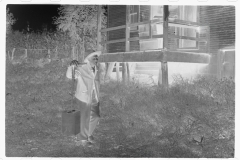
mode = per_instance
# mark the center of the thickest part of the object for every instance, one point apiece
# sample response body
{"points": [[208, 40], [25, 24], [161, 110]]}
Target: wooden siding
{"points": [[116, 17], [221, 20], [145, 13], [173, 43], [144, 16]]}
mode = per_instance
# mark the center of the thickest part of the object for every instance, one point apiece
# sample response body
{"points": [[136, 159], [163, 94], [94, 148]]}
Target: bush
{"points": [[190, 114]]}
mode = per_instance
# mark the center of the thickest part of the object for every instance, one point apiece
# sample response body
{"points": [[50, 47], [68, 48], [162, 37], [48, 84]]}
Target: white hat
{"points": [[91, 55]]}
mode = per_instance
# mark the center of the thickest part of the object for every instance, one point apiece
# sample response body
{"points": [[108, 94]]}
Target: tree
{"points": [[80, 22], [10, 21]]}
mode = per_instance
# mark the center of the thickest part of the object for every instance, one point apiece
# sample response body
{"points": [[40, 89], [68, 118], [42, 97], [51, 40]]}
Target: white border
{"points": [[3, 4]]}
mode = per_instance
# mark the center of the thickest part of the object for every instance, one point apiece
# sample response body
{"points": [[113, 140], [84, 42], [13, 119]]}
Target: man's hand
{"points": [[74, 63]]}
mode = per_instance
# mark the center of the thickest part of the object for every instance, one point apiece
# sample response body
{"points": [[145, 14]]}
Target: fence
{"points": [[22, 53]]}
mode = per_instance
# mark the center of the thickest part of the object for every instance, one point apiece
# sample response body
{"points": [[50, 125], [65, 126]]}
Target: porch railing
{"points": [[175, 22], [161, 55]]}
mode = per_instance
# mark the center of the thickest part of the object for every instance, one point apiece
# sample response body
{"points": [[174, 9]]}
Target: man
{"points": [[87, 95]]}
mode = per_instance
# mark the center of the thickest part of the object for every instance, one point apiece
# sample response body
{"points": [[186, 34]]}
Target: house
{"points": [[198, 39]]}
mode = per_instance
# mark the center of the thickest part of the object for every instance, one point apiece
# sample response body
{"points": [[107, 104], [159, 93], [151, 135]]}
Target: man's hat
{"points": [[97, 53]]}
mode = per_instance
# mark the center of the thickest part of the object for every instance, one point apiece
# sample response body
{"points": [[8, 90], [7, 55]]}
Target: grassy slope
{"points": [[136, 121]]}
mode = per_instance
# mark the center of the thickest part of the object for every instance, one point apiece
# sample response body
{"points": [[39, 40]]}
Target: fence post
{"points": [[13, 53], [49, 54], [72, 52], [26, 53], [9, 57]]}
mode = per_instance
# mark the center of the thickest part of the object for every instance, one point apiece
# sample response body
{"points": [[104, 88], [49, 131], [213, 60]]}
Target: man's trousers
{"points": [[89, 118]]}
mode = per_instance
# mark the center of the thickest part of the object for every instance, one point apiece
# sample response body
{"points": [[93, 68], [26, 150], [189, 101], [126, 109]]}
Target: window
{"points": [[157, 13], [134, 9], [187, 13]]}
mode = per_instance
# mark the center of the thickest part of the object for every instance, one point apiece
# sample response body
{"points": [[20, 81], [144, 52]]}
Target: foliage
{"points": [[77, 27], [58, 43], [10, 21], [80, 23], [194, 115], [32, 40]]}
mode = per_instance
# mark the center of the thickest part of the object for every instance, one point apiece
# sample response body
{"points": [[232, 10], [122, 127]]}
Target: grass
{"points": [[136, 120]]}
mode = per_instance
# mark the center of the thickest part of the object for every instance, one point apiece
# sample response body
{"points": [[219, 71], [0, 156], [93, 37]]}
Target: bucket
{"points": [[71, 122], [71, 117]]}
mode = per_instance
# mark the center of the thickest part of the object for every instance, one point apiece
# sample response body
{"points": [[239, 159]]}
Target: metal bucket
{"points": [[71, 122]]}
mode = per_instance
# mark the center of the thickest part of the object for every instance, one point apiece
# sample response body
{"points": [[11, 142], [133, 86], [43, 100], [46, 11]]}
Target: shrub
{"points": [[190, 113]]}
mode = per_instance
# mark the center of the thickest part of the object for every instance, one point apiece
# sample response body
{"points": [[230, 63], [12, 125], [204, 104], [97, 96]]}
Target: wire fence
{"points": [[23, 53]]}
